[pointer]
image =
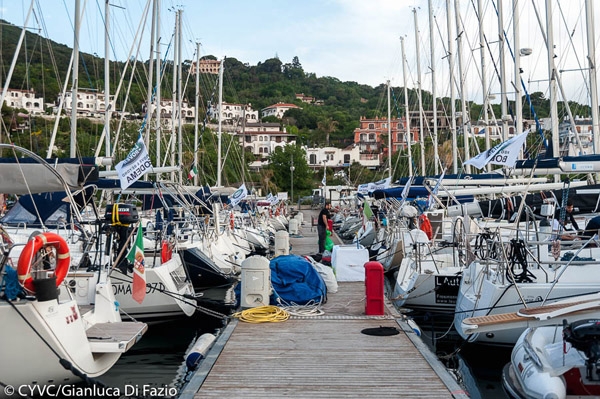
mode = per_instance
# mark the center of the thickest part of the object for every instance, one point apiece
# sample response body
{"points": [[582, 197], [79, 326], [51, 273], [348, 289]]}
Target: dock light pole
{"points": [[292, 177]]}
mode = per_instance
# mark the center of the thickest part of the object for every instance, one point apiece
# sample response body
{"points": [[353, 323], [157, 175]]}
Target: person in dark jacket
{"points": [[322, 225]]}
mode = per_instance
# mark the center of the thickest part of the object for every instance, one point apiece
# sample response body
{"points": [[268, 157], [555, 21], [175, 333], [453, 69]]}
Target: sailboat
{"points": [[57, 336]]}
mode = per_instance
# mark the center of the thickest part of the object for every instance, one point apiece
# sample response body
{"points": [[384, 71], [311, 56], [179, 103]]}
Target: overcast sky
{"points": [[352, 40]]}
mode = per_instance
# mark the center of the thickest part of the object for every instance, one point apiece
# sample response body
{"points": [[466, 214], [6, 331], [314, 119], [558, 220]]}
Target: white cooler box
{"points": [[348, 262]]}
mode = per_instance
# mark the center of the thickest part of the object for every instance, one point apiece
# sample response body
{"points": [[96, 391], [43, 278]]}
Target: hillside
{"points": [[42, 66]]}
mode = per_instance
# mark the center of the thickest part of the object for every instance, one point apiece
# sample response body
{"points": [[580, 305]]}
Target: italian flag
{"points": [[193, 172], [136, 256]]}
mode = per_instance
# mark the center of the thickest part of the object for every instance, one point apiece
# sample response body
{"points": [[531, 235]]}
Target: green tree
{"points": [[280, 162]]}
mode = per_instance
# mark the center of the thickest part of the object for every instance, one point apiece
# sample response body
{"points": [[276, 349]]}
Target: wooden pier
{"points": [[324, 356]]}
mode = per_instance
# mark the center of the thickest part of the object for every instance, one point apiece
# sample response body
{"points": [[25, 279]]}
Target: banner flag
{"points": [[136, 165], [505, 153]]}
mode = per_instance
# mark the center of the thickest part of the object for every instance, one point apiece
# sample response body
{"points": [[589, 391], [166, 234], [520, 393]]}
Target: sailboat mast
{"points": [[389, 109], [107, 110], [436, 156], [174, 109], [179, 99], [421, 129], [452, 88], [589, 18], [517, 81], [156, 18], [196, 110], [407, 112], [149, 86], [219, 132], [461, 77], [484, 87], [553, 86], [73, 141], [502, 59]]}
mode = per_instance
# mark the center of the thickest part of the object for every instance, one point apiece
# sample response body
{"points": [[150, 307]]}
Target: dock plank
{"points": [[324, 356]]}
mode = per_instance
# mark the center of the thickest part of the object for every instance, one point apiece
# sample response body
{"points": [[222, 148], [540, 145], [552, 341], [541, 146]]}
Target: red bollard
{"points": [[374, 304]]}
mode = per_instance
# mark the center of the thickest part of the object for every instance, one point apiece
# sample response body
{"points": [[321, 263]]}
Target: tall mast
{"points": [[517, 82], [484, 87], [503, 93], [436, 156], [422, 130], [174, 102], [452, 88], [461, 80], [179, 99], [149, 87], [219, 132], [73, 141], [553, 86], [389, 131], [107, 110], [407, 112], [589, 18], [196, 110], [156, 17]]}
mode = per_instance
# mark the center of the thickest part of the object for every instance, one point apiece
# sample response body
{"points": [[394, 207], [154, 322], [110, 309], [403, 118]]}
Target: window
{"points": [[371, 126], [312, 159], [346, 158], [372, 137]]}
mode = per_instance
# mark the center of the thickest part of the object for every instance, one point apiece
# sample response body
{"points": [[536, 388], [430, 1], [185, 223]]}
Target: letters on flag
{"points": [[505, 153], [381, 184], [238, 195], [135, 165], [136, 256], [363, 189]]}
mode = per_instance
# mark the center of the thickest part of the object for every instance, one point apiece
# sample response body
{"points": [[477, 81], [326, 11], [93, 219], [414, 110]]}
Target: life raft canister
{"points": [[425, 225], [33, 246]]}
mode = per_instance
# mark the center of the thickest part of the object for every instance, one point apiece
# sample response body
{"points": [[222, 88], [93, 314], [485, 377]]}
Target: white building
{"points": [[233, 114], [339, 157], [188, 111], [25, 99], [262, 139], [277, 110], [89, 103]]}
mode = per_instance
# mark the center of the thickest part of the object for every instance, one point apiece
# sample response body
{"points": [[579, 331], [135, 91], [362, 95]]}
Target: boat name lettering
{"points": [[530, 299], [73, 316], [125, 289]]}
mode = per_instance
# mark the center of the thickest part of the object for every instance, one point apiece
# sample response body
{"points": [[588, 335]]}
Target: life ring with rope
{"points": [[32, 248]]}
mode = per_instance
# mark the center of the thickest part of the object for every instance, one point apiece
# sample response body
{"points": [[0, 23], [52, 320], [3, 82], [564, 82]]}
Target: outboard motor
{"points": [[118, 218], [584, 335]]}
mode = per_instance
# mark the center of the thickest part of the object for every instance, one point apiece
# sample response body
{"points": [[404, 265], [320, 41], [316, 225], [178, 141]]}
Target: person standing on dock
{"points": [[322, 225]]}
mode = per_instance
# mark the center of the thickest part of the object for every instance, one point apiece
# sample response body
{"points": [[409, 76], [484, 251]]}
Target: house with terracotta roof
{"points": [[278, 109]]}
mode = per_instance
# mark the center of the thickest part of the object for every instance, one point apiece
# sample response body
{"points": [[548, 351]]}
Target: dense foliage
{"points": [[42, 66]]}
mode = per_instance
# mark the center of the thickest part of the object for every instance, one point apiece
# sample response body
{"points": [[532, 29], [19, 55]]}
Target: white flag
{"points": [[380, 185], [363, 189], [505, 153], [136, 165], [238, 195], [406, 189], [324, 181]]}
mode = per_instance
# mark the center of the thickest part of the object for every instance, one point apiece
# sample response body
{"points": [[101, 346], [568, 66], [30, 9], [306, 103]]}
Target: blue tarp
{"points": [[295, 281]]}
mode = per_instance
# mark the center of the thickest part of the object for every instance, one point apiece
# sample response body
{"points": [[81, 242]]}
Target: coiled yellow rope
{"points": [[263, 314]]}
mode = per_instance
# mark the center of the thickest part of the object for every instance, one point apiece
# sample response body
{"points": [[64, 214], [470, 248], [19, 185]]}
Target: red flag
{"points": [[136, 256]]}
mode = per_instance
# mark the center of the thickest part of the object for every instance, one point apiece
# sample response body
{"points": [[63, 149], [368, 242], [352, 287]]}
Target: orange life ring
{"points": [[33, 246]]}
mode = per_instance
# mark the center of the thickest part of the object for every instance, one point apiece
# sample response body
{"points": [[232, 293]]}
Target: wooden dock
{"points": [[324, 356]]}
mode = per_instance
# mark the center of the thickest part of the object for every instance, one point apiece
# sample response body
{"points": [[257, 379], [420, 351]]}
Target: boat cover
{"points": [[295, 281]]}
